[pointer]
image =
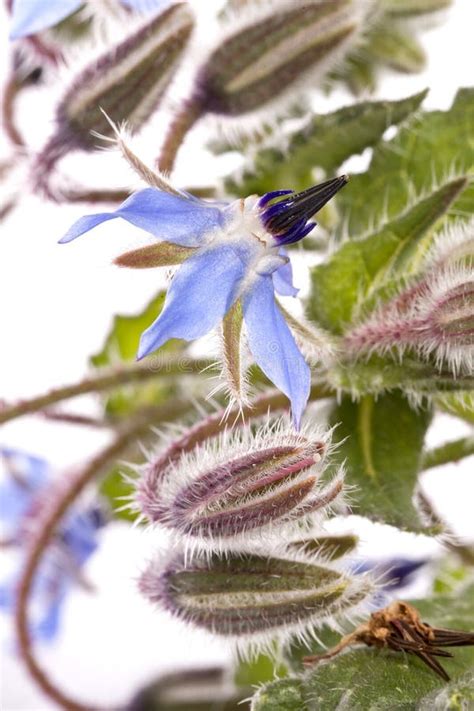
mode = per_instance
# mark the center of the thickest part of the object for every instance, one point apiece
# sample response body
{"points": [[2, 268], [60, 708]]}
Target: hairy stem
{"points": [[449, 452], [105, 380], [125, 438], [190, 112]]}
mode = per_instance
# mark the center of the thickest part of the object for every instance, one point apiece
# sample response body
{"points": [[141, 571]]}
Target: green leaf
{"points": [[378, 374], [121, 345], [115, 488], [281, 695], [258, 671], [378, 680], [394, 46], [325, 142], [425, 153], [342, 286], [381, 442]]}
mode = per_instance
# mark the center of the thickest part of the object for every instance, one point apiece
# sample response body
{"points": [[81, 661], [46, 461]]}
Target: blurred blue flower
{"points": [[25, 489], [236, 252], [394, 575], [31, 16]]}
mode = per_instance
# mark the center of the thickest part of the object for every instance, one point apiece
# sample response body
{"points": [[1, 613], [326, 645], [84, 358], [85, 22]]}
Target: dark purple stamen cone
{"points": [[287, 218]]}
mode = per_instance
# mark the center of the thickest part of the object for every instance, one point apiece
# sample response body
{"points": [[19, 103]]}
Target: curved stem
{"points": [[185, 119], [11, 90], [126, 437], [135, 373], [449, 452]]}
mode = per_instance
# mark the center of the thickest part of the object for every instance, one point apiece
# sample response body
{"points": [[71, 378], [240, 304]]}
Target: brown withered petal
{"points": [[399, 627]]}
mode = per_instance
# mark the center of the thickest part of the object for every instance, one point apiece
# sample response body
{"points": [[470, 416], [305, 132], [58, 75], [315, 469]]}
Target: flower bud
{"points": [[242, 486], [247, 595], [434, 317], [278, 46], [407, 8], [125, 83], [328, 547]]}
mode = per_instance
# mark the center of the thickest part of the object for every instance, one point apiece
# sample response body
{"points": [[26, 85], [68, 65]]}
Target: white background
{"points": [[57, 302]]}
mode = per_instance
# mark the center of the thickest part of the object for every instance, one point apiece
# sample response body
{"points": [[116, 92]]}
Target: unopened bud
{"points": [[125, 83], [247, 595], [241, 487], [281, 44], [435, 318], [329, 547]]}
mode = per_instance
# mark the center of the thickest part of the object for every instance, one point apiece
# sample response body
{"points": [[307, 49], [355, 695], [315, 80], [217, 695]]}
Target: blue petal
{"points": [[201, 293], [47, 627], [283, 278], [145, 5], [15, 498], [31, 16], [274, 347], [165, 216]]}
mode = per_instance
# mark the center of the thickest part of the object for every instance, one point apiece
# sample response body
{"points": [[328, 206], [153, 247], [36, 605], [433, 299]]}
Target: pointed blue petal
{"points": [[201, 293], [274, 348], [167, 217], [145, 5], [283, 278], [30, 16]]}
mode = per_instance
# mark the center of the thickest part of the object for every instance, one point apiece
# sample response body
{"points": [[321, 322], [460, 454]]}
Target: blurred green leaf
{"points": [[121, 345], [344, 282], [378, 374], [425, 154], [381, 442], [378, 680], [117, 490], [325, 142], [257, 671], [393, 45]]}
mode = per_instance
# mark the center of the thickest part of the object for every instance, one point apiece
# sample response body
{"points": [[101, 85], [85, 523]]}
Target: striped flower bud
{"points": [[125, 83], [240, 486], [247, 596], [278, 46], [273, 50], [435, 318]]}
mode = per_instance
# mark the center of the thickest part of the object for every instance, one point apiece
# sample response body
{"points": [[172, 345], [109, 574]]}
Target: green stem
{"points": [[450, 452], [105, 380]]}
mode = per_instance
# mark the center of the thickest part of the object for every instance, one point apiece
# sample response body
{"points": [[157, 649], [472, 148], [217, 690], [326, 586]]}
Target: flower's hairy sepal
{"points": [[247, 596], [161, 254], [325, 546]]}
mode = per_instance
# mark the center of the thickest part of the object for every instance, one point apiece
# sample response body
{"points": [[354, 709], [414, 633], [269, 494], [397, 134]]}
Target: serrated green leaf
{"points": [[326, 142], [424, 154], [121, 345], [381, 442], [378, 680], [342, 285]]}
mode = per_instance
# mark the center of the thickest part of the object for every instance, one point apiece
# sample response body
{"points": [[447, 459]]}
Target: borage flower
{"points": [[24, 495], [234, 261], [31, 16]]}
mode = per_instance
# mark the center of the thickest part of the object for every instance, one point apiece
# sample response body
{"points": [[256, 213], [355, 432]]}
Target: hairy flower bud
{"points": [[125, 83], [240, 486], [278, 46], [329, 547], [407, 8], [435, 317], [245, 595]]}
